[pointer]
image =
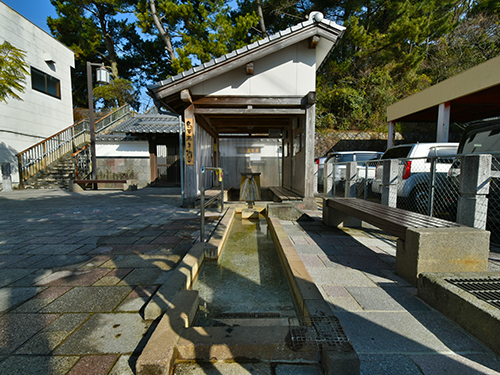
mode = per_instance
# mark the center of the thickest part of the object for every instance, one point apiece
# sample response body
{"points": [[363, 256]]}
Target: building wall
{"points": [[39, 115], [124, 160], [297, 63]]}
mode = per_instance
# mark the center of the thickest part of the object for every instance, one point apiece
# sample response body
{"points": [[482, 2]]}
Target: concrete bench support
{"points": [[459, 249], [425, 244]]}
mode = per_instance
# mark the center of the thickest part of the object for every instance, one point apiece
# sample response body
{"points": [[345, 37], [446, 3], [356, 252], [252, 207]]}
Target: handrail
{"points": [[82, 161], [39, 156], [220, 172]]}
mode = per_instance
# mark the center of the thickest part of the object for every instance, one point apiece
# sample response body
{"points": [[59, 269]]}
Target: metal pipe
{"points": [[202, 203], [92, 123]]}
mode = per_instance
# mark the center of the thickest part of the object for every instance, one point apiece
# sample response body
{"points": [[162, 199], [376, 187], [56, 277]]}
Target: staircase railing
{"points": [[83, 165], [44, 153]]}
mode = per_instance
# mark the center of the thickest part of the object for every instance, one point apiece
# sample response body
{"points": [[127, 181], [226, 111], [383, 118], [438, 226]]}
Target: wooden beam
{"points": [[205, 124], [224, 101], [311, 97], [250, 112], [313, 41], [186, 96]]}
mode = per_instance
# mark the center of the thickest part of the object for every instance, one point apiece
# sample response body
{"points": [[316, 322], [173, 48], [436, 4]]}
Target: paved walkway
{"points": [[75, 271], [392, 330], [77, 268]]}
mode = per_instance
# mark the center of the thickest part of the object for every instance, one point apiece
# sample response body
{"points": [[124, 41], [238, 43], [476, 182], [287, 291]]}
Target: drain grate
{"points": [[317, 332], [487, 290]]}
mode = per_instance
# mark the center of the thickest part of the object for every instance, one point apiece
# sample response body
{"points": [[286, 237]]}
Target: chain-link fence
{"points": [[427, 185]]}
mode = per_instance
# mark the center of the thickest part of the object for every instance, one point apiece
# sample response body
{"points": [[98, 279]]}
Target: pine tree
{"points": [[195, 31]]}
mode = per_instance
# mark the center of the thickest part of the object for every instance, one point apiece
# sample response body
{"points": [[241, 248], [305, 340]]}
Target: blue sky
{"points": [[36, 11]]}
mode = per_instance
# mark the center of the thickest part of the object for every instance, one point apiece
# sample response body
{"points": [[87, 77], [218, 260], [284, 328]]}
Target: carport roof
{"points": [[473, 95]]}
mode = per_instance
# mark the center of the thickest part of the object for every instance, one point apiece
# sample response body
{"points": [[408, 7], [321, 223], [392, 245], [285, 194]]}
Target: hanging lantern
{"points": [[102, 75]]}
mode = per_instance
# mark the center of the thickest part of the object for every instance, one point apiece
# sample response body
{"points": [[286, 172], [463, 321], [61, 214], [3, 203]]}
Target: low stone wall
{"points": [[136, 169]]}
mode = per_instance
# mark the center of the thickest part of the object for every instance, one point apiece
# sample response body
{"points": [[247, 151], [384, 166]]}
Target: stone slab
{"points": [[388, 332], [10, 297], [106, 334], [15, 329], [222, 368], [8, 276], [89, 299], [36, 365], [476, 316]]}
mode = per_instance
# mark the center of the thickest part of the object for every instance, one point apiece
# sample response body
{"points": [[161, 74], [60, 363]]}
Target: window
{"points": [[42, 82]]}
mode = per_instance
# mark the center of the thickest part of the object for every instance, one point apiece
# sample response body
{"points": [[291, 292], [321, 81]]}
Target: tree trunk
{"points": [[108, 41], [165, 35], [261, 18]]}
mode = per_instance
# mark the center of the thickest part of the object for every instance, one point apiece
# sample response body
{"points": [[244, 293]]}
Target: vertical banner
{"points": [[189, 141]]}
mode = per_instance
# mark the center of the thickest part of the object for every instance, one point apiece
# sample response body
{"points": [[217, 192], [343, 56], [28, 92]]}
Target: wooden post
{"points": [[309, 131], [190, 172]]}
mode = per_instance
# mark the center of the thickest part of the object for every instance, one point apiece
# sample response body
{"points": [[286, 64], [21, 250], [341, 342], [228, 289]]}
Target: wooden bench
{"points": [[83, 183], [425, 244], [281, 194]]}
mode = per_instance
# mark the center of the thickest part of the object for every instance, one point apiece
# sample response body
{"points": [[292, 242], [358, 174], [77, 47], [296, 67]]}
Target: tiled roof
{"points": [[248, 48], [149, 124]]}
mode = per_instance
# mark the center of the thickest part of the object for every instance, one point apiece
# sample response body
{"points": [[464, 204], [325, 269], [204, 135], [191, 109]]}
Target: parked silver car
{"points": [[342, 157]]}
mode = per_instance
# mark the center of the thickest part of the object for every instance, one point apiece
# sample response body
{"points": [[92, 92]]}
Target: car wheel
{"points": [[419, 199]]}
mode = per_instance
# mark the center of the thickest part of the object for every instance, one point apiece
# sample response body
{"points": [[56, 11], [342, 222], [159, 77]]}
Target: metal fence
{"points": [[426, 185]]}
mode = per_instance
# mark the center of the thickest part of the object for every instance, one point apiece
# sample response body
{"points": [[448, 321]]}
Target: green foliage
{"points": [[13, 71], [115, 94], [391, 48], [200, 29]]}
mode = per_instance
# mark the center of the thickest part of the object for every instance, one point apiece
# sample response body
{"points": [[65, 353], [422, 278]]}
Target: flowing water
{"points": [[248, 286]]}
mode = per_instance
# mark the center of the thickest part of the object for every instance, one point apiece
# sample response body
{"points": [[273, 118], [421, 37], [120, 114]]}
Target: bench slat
{"points": [[284, 194], [398, 214], [392, 220]]}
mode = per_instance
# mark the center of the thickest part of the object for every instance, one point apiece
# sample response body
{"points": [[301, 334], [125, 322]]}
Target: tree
{"points": [[94, 30], [475, 40], [117, 93], [379, 60], [196, 30], [13, 71]]}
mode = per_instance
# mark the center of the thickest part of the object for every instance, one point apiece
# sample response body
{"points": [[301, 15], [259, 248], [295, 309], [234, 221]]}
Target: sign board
{"points": [[189, 141]]}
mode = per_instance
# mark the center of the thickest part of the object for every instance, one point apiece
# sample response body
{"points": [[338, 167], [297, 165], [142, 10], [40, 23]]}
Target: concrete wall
{"points": [[297, 63], [24, 123]]}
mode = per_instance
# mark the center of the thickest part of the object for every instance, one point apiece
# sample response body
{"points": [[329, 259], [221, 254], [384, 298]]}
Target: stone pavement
{"points": [[77, 268], [392, 330], [75, 271]]}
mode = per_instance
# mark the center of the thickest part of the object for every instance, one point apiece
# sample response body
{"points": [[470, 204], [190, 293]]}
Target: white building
{"points": [[47, 105]]}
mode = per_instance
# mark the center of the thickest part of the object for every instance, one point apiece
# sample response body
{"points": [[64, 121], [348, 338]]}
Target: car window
{"points": [[344, 158], [397, 152], [482, 141], [365, 157]]}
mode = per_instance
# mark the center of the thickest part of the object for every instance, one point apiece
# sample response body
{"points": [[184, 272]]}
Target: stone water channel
{"points": [[247, 286]]}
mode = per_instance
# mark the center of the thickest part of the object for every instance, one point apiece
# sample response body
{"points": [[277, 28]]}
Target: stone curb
{"points": [[478, 317]]}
